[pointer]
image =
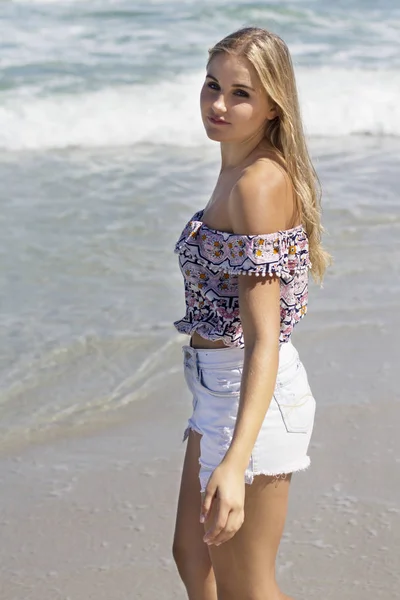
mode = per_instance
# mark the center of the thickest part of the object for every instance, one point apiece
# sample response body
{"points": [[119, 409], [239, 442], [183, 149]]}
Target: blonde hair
{"points": [[271, 59]]}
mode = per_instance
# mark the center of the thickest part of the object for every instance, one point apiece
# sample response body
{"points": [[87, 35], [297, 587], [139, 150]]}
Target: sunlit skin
{"points": [[228, 551], [235, 109]]}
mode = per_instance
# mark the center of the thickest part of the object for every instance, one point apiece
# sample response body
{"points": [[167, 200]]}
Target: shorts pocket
{"points": [[295, 401], [221, 381]]}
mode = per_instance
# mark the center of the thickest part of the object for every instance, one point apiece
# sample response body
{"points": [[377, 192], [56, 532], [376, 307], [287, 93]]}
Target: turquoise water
{"points": [[103, 159]]}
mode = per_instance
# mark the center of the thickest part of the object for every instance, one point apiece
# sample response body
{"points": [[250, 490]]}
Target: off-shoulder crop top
{"points": [[211, 261]]}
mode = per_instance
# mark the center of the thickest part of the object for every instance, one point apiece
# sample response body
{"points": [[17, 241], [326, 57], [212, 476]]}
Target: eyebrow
{"points": [[236, 85]]}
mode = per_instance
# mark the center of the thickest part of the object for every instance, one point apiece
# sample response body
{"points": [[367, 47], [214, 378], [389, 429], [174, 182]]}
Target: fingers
{"points": [[220, 520], [226, 523], [224, 496], [207, 499], [232, 526]]}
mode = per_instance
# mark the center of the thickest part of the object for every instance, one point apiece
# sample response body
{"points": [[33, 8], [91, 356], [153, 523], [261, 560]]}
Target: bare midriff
{"points": [[199, 342]]}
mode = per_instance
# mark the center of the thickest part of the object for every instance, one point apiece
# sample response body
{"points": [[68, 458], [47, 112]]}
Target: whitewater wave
{"points": [[335, 102]]}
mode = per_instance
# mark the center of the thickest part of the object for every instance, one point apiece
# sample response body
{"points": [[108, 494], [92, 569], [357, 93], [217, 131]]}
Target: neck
{"points": [[233, 154]]}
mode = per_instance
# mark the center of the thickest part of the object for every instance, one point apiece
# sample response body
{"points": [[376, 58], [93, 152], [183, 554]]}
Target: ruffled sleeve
{"points": [[284, 253]]}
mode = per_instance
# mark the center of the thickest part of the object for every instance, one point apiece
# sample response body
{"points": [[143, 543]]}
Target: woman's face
{"points": [[234, 106]]}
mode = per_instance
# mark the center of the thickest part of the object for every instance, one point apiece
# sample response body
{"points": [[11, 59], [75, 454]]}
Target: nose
{"points": [[219, 105]]}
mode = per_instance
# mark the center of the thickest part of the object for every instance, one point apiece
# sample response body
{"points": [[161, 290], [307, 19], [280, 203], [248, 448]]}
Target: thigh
{"points": [[245, 565], [189, 502], [190, 552]]}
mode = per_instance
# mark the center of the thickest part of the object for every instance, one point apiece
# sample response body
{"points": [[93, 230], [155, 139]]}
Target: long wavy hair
{"points": [[270, 57]]}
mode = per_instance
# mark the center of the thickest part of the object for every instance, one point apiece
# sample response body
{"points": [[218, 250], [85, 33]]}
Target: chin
{"points": [[215, 134]]}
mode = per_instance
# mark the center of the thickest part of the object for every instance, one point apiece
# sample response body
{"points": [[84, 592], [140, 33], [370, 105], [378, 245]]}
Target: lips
{"points": [[216, 121]]}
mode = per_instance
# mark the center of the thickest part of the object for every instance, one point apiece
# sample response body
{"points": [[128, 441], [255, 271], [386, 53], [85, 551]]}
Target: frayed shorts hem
{"points": [[187, 430], [285, 470], [278, 473]]}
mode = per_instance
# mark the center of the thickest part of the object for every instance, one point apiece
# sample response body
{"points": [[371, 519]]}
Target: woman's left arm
{"points": [[257, 206], [259, 300]]}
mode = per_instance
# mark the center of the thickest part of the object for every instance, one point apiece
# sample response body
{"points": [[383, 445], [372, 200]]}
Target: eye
{"points": [[242, 94], [213, 86]]}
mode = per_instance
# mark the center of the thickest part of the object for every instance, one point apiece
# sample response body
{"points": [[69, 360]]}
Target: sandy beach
{"points": [[93, 517]]}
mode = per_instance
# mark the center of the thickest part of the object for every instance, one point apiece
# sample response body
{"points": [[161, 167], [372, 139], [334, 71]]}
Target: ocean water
{"points": [[103, 159]]}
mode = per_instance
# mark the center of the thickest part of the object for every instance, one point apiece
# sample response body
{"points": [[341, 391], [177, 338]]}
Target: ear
{"points": [[272, 112]]}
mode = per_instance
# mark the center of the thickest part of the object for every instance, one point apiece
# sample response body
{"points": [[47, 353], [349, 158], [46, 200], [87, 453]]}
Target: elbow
{"points": [[262, 343]]}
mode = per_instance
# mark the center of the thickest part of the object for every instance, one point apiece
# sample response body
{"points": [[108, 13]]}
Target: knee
{"points": [[190, 559], [179, 553], [256, 592], [250, 596]]}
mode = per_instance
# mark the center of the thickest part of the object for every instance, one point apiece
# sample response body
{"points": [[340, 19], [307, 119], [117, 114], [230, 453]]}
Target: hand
{"points": [[226, 488]]}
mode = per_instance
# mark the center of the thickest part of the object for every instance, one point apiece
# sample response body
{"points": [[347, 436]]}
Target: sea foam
{"points": [[334, 102]]}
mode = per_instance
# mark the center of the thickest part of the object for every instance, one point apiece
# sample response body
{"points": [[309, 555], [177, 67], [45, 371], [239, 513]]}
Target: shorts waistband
{"points": [[225, 357]]}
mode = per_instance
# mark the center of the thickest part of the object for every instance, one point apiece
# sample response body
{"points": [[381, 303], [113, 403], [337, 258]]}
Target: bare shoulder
{"points": [[260, 200]]}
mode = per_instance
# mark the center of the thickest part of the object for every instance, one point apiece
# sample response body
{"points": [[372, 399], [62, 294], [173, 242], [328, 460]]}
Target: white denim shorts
{"points": [[214, 376]]}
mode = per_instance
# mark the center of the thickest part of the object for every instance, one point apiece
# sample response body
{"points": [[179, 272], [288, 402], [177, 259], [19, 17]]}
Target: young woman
{"points": [[245, 259]]}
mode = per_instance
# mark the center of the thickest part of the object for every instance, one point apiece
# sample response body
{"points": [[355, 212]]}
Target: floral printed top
{"points": [[211, 260]]}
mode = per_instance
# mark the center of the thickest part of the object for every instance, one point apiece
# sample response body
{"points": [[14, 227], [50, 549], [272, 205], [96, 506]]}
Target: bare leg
{"points": [[190, 552], [244, 566]]}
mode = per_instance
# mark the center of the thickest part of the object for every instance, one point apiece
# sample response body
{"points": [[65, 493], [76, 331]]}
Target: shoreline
{"points": [[335, 354]]}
